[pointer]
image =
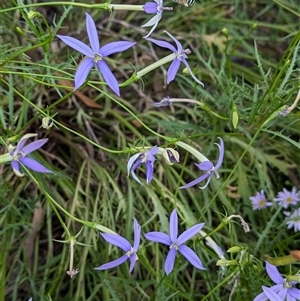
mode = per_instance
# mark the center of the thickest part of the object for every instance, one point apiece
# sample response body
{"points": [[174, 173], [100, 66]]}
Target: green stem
{"points": [[54, 204], [104, 6]]}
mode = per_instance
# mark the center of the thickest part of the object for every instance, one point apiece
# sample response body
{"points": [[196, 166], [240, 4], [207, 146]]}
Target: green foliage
{"points": [[247, 55]]}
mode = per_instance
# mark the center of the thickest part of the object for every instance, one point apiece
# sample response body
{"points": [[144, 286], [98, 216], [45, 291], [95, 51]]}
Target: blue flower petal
{"points": [[149, 171], [273, 273], [134, 167], [191, 256], [109, 77], [271, 294], [77, 45], [190, 70], [92, 33], [150, 8], [159, 237], [221, 155], [115, 47], [205, 165], [261, 297], [174, 226], [117, 240], [137, 235], [162, 44], [170, 260], [178, 44], [34, 146], [82, 72], [16, 167], [131, 160], [132, 259], [113, 263], [195, 182], [189, 233], [34, 165], [173, 69]]}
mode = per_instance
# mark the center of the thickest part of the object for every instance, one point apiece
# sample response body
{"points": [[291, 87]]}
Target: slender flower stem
{"points": [[134, 116], [125, 7], [54, 204], [192, 150], [57, 3], [6, 158], [155, 65]]}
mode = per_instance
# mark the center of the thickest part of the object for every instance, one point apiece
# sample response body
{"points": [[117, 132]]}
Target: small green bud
{"points": [[33, 14], [254, 26], [235, 119], [20, 31], [291, 278], [234, 249], [186, 71], [226, 263], [224, 31], [287, 63], [47, 123]]}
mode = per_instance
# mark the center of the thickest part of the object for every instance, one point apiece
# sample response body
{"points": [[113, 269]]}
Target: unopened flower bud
{"points": [[226, 263], [234, 249], [33, 14], [291, 278], [224, 31], [170, 155], [47, 123]]}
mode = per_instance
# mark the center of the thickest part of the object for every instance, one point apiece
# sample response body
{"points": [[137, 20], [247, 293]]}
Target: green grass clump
{"points": [[247, 55]]}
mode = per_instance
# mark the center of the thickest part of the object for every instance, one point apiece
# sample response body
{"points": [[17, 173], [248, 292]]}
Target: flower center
{"points": [[131, 252], [289, 199], [161, 8], [174, 246], [287, 284], [261, 203], [97, 57], [18, 155], [183, 54], [213, 171]]}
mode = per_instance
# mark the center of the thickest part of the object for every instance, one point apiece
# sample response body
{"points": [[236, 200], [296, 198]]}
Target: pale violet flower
{"points": [[286, 198], [124, 244], [95, 55], [176, 243], [259, 201], [146, 158], [271, 294], [19, 155], [156, 8], [180, 57], [293, 220], [209, 169], [283, 288]]}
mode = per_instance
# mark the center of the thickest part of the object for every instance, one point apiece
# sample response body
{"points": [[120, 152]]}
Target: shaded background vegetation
{"points": [[246, 53]]}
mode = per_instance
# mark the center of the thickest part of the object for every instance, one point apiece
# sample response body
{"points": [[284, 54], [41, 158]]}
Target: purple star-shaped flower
{"points": [[209, 168], [259, 201], [271, 294], [283, 288], [176, 243], [154, 8], [180, 57], [286, 198], [20, 155], [138, 159], [95, 55], [124, 244], [293, 220]]}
